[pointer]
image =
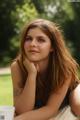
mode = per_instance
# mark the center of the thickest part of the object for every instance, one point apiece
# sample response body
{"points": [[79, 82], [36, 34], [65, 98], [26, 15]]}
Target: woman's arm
{"points": [[24, 99], [75, 100], [50, 110]]}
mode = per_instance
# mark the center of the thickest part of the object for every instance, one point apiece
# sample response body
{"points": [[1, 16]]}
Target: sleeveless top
{"points": [[65, 102], [39, 103]]}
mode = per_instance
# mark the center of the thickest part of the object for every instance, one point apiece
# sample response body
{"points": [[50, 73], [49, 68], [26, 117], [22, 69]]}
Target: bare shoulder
{"points": [[16, 78], [14, 66], [74, 100], [76, 91], [15, 69]]}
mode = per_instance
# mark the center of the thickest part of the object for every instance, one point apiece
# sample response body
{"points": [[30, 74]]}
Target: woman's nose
{"points": [[33, 42]]}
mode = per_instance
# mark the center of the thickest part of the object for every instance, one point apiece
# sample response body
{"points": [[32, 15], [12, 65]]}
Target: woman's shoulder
{"points": [[15, 65], [15, 69], [75, 84], [16, 77], [16, 74]]}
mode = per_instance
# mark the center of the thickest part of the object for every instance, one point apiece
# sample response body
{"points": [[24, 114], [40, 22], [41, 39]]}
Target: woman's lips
{"points": [[33, 51]]}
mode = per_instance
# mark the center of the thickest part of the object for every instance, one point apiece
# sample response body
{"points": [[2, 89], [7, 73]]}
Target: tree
{"points": [[13, 14], [23, 15], [6, 24], [72, 30], [76, 29], [17, 12]]}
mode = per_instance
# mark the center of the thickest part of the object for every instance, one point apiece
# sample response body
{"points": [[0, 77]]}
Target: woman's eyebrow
{"points": [[41, 36], [37, 36], [44, 37], [28, 36]]}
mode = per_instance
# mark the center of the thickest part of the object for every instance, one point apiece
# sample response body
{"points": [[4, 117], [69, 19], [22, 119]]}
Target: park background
{"points": [[14, 14]]}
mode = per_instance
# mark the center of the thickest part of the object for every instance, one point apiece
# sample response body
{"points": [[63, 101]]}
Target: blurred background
{"points": [[13, 15]]}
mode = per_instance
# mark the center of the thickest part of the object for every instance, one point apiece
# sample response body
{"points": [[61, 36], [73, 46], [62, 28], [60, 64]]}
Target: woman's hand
{"points": [[31, 67]]}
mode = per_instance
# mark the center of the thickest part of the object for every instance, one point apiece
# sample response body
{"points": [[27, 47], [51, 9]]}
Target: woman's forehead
{"points": [[36, 31]]}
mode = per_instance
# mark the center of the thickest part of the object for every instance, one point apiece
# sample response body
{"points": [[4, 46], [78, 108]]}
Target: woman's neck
{"points": [[43, 65]]}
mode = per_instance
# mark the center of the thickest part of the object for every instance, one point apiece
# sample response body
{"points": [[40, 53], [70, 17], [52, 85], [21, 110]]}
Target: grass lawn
{"points": [[6, 93]]}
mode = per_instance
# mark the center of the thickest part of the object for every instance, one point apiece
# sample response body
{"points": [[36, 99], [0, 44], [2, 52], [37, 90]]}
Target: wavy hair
{"points": [[61, 64]]}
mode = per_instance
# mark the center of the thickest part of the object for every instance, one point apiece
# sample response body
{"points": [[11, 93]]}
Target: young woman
{"points": [[44, 74]]}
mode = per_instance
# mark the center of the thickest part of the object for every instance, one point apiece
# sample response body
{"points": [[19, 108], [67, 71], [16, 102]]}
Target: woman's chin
{"points": [[34, 60]]}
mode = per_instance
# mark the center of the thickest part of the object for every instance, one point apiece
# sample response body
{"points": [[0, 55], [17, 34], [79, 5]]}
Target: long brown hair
{"points": [[61, 63]]}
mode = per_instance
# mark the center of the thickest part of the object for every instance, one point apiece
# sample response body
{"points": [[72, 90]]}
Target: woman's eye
{"points": [[28, 39], [41, 40]]}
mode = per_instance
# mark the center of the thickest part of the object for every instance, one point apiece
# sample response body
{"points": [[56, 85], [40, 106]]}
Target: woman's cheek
{"points": [[26, 44]]}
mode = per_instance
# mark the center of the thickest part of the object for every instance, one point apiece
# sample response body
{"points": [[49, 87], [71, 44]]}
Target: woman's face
{"points": [[37, 45]]}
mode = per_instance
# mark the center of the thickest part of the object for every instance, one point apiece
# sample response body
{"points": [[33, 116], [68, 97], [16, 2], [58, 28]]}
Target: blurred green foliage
{"points": [[14, 13]]}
